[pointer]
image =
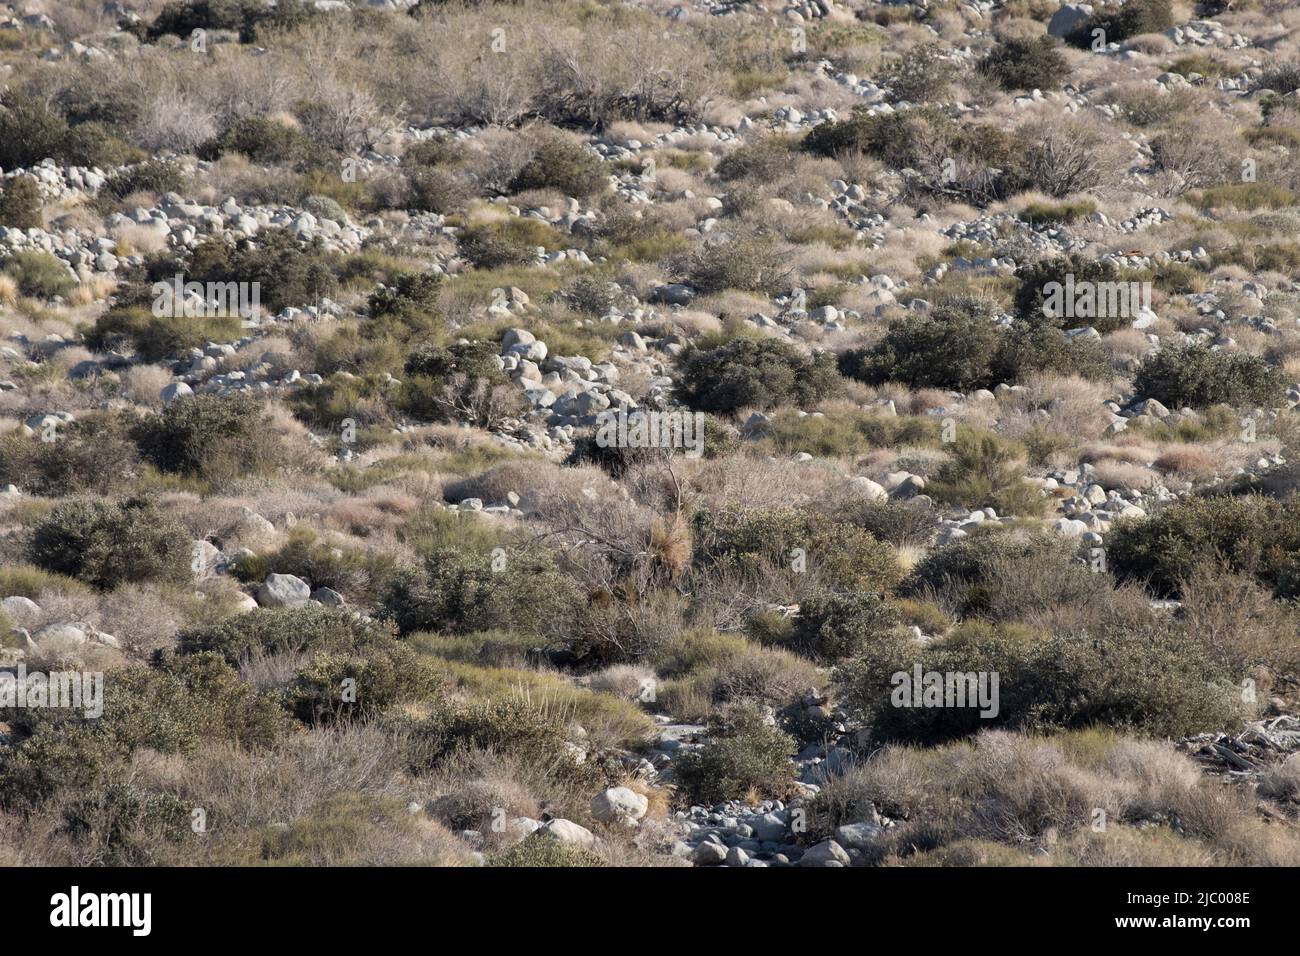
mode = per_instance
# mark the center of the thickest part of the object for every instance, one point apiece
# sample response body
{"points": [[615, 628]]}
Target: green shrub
{"points": [[833, 627], [544, 851], [39, 274], [958, 346], [922, 75], [154, 176], [985, 471], [560, 164], [20, 203], [1198, 376], [159, 338], [759, 373], [1000, 575], [287, 272], [1249, 534], [461, 592], [92, 454], [762, 160], [747, 264], [261, 139], [1146, 680], [409, 304], [1026, 63], [29, 132], [845, 556], [743, 754], [312, 627], [106, 543], [341, 687], [1032, 299], [443, 191], [1130, 20], [459, 383], [216, 437], [512, 242]]}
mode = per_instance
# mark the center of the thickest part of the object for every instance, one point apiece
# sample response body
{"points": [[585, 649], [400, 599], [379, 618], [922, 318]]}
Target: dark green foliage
{"points": [[958, 347], [744, 754], [846, 556], [1147, 680], [288, 272], [1032, 298], [312, 627], [833, 627], [158, 338], [562, 165], [167, 709], [458, 383], [758, 373], [261, 140], [216, 437], [155, 176], [1026, 63], [1197, 375], [1249, 534], [106, 543], [39, 274], [92, 454], [460, 592], [1120, 23], [758, 161], [20, 203], [985, 471]]}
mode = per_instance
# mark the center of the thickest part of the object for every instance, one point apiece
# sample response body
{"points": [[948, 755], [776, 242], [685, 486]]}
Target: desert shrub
{"points": [[743, 754], [39, 274], [106, 543], [761, 161], [833, 627], [1249, 534], [287, 272], [158, 338], [560, 164], [1039, 213], [1003, 576], [154, 176], [761, 373], [461, 592], [985, 471], [1026, 63], [544, 851], [1198, 376], [1119, 23], [20, 203], [924, 74], [461, 382], [959, 347], [216, 437], [92, 454], [846, 556], [311, 628], [167, 709], [29, 131], [947, 348], [1282, 78], [900, 523], [1145, 679], [358, 575], [747, 264], [408, 305], [261, 139], [512, 242], [1034, 304], [337, 687], [443, 191]]}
